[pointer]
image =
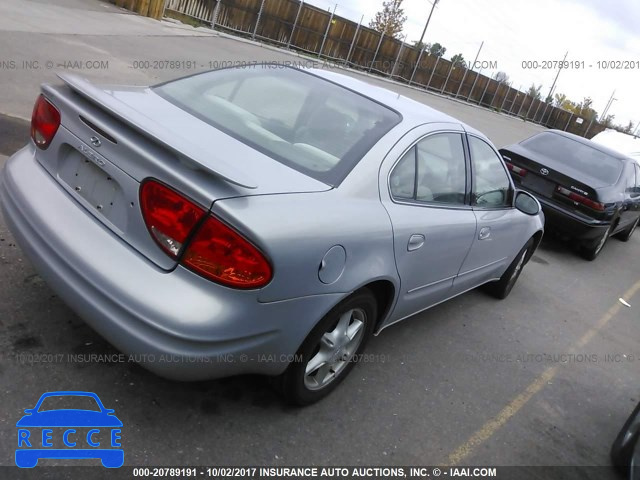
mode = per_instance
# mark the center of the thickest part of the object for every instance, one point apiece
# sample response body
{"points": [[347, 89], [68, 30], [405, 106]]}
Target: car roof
{"points": [[609, 151], [411, 110]]}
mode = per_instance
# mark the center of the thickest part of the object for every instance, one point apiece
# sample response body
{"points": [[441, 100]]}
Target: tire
{"points": [[502, 288], [330, 351], [625, 235], [626, 442], [591, 252]]}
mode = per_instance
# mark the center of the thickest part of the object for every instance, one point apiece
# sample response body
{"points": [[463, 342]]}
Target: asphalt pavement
{"points": [[545, 377]]}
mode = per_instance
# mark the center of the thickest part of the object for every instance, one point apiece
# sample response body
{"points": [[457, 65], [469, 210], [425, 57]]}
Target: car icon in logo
{"points": [[544, 171], [53, 430]]}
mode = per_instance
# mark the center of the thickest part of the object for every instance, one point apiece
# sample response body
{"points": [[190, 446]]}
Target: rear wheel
{"points": [[330, 351], [591, 252], [502, 288], [625, 235]]}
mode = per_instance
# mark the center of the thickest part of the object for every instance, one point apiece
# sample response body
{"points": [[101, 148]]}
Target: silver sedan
{"points": [[259, 220]]}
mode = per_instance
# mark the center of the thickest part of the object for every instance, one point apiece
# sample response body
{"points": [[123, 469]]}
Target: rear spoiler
{"points": [[156, 132]]}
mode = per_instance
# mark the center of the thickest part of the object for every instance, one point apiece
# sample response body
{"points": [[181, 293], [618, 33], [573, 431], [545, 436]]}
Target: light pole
{"points": [[553, 85], [433, 7]]}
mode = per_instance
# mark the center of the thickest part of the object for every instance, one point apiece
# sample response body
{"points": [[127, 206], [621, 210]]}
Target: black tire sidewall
{"points": [[502, 288], [292, 381], [591, 252]]}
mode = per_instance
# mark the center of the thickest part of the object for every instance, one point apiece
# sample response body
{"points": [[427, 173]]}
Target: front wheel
{"points": [[331, 349], [502, 288]]}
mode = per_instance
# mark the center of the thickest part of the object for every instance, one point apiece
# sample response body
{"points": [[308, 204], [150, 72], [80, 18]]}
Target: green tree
{"points": [[560, 99], [436, 49], [534, 91], [458, 60], [390, 20]]}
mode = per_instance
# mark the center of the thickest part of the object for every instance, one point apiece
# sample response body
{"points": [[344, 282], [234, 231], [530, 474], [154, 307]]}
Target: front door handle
{"points": [[415, 242], [485, 232]]}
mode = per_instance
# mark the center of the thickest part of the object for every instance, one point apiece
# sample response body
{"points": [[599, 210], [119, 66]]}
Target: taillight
{"points": [[215, 251], [219, 253], [45, 122], [169, 216], [581, 199], [515, 169]]}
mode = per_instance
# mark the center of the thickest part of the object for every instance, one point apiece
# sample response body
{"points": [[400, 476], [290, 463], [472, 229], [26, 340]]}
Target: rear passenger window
{"points": [[403, 177], [433, 171], [491, 182], [442, 172]]}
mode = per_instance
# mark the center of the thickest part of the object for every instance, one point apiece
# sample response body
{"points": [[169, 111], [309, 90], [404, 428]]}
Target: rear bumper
{"points": [[570, 224], [176, 323]]}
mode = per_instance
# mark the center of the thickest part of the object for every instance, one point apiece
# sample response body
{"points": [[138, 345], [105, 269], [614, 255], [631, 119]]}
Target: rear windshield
{"points": [[296, 118], [583, 158]]}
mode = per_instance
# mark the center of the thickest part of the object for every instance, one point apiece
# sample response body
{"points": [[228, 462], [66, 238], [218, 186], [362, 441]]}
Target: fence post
{"points": [[535, 115], [486, 87], [214, 15], [513, 102], [506, 95], [255, 29], [568, 122], [415, 68], [589, 127], [533, 100], [435, 66], [522, 103], [475, 80], [326, 32], [464, 77], [353, 42], [447, 80], [393, 70], [376, 54], [543, 113], [295, 23]]}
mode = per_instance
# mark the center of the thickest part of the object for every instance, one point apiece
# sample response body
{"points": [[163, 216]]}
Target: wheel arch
{"points": [[384, 292], [537, 240]]}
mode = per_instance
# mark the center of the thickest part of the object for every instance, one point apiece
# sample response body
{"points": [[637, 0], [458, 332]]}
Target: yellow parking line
{"points": [[493, 425]]}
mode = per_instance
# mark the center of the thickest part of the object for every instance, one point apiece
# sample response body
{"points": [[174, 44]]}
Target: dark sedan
{"points": [[588, 192]]}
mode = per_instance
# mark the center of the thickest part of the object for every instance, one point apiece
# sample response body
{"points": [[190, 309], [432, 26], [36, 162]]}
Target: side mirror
{"points": [[29, 411], [527, 203]]}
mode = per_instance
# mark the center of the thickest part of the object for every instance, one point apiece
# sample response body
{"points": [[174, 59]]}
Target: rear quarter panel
{"points": [[295, 231]]}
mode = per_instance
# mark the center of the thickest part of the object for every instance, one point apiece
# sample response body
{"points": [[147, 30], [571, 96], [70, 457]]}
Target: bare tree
{"points": [[390, 20]]}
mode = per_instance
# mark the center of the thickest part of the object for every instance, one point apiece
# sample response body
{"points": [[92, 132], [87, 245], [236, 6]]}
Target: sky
{"points": [[517, 31]]}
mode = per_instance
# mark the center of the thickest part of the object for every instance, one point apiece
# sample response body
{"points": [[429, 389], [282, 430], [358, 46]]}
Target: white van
{"points": [[623, 143]]}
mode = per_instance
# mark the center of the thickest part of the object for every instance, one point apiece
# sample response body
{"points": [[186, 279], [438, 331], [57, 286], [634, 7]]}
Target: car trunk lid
{"points": [[550, 178], [113, 138]]}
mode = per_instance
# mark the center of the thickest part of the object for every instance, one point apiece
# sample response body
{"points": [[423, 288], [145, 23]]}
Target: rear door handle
{"points": [[415, 242], [485, 232]]}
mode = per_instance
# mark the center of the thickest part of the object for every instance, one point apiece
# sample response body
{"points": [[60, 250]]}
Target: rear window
{"points": [[296, 118], [584, 158]]}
